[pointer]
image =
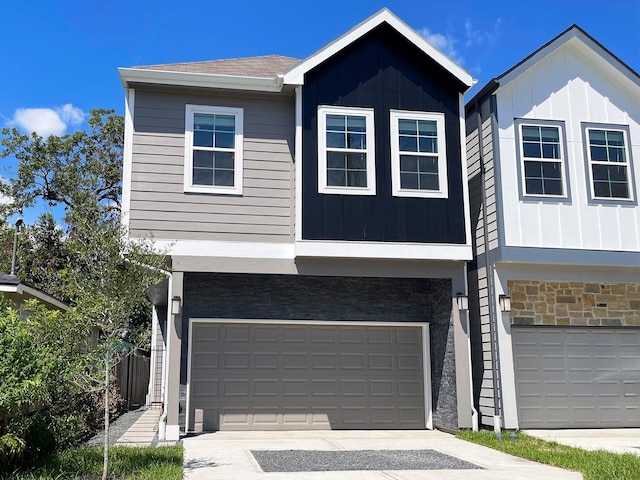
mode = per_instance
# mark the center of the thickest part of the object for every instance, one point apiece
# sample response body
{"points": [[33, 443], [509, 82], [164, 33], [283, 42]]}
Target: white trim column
{"points": [[174, 346], [462, 350]]}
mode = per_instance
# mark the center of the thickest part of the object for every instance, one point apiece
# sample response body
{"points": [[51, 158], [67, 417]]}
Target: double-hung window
{"points": [[608, 162], [541, 149], [346, 151], [213, 149], [418, 154]]}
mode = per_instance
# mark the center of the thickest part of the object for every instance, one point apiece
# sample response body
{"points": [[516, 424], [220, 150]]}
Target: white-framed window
{"points": [[213, 149], [608, 162], [346, 151], [418, 154], [542, 159]]}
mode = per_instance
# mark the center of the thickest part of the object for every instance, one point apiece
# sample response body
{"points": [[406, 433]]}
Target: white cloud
{"points": [[445, 43], [47, 121], [478, 37]]}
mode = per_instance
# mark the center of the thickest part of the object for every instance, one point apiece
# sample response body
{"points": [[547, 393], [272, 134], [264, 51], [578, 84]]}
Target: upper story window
{"points": [[541, 148], [418, 154], [608, 163], [213, 149], [346, 151]]}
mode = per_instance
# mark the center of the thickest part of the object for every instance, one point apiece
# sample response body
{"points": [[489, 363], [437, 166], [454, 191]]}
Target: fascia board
{"points": [[190, 79], [44, 297], [295, 76]]}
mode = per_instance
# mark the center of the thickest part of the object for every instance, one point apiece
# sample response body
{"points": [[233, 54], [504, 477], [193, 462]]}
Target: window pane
{"points": [[224, 160], [550, 135], [617, 154], [356, 161], [336, 140], [597, 137], [531, 150], [356, 124], [203, 176], [620, 190], [336, 178], [533, 169], [530, 133], [534, 186], [600, 172], [336, 123], [551, 170], [336, 160], [202, 159], [356, 179], [428, 145], [225, 140], [552, 186], [225, 123], [202, 121], [407, 127], [224, 178], [428, 182], [615, 138], [428, 164], [409, 181], [408, 144], [599, 154], [202, 138], [550, 150], [601, 189], [617, 173], [428, 128], [357, 140], [408, 163]]}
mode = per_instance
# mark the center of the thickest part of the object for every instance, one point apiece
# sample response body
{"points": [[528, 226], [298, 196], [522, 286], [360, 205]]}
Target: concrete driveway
{"points": [[617, 440], [227, 456]]}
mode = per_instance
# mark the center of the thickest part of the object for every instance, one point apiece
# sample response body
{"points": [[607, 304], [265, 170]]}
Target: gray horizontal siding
{"points": [[159, 205]]}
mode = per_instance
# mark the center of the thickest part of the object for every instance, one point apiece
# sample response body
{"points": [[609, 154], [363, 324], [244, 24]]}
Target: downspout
{"points": [[489, 273]]}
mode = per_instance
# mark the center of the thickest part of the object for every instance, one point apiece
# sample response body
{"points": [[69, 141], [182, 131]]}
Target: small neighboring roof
{"points": [[269, 73], [267, 66], [571, 33], [6, 279], [12, 284]]}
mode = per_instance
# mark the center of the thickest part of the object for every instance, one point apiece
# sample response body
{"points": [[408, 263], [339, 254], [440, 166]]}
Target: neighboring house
{"points": [[556, 178], [316, 215], [18, 292]]}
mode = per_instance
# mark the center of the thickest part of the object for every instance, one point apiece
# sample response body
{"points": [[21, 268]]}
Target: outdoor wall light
{"points": [[505, 303], [176, 303], [462, 301]]}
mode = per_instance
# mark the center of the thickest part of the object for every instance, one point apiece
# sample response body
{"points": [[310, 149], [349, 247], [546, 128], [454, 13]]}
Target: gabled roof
{"points": [[269, 73], [574, 35], [295, 76], [12, 284]]}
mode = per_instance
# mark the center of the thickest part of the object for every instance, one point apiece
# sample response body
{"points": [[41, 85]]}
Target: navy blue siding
{"points": [[383, 71]]}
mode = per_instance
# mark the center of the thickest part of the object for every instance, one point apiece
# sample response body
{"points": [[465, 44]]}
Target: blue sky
{"points": [[60, 58]]}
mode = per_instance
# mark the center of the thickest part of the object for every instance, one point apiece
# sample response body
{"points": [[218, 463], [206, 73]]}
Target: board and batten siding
{"points": [[159, 205], [568, 86], [479, 313]]}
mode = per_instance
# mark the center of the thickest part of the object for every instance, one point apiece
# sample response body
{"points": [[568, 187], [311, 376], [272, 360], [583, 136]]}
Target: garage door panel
{"points": [[577, 377], [293, 377]]}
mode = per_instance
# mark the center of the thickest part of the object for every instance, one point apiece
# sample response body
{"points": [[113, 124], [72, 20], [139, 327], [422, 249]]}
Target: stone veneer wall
{"points": [[574, 303]]}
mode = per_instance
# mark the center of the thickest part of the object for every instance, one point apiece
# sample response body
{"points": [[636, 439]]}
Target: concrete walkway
{"points": [[143, 432], [617, 440], [227, 456]]}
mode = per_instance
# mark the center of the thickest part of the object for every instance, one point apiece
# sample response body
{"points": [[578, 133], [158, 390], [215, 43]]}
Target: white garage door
{"points": [[258, 376], [577, 377]]}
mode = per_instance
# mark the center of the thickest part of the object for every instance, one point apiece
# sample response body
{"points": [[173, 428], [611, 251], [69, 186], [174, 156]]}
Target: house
{"points": [[316, 216], [18, 292], [555, 279]]}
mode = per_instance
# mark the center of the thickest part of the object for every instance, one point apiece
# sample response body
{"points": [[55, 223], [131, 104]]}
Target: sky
{"points": [[60, 57]]}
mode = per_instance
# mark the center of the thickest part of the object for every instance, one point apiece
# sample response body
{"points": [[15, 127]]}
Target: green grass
{"points": [[594, 465], [134, 463]]}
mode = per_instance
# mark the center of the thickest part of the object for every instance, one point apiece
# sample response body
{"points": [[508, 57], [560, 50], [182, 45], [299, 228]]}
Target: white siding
{"points": [[569, 86]]}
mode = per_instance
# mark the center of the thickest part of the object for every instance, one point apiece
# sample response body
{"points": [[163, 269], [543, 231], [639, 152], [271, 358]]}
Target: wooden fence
{"points": [[133, 380]]}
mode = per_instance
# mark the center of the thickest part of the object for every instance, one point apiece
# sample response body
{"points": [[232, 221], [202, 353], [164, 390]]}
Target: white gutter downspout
{"points": [[474, 412]]}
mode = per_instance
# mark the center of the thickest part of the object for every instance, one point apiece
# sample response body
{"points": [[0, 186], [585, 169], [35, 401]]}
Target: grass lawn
{"points": [[124, 463], [594, 465]]}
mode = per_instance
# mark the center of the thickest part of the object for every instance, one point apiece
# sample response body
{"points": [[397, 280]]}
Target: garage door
{"points": [[577, 377], [287, 377]]}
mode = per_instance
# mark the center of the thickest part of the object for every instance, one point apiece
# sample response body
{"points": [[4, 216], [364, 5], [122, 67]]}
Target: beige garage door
{"points": [[288, 377], [577, 377]]}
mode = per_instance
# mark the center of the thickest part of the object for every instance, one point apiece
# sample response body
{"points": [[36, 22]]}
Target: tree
{"points": [[107, 281], [74, 170]]}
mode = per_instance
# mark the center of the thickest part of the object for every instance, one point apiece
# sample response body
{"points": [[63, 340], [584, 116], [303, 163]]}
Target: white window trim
{"points": [[590, 163], [236, 189], [370, 189], [562, 160], [397, 191]]}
